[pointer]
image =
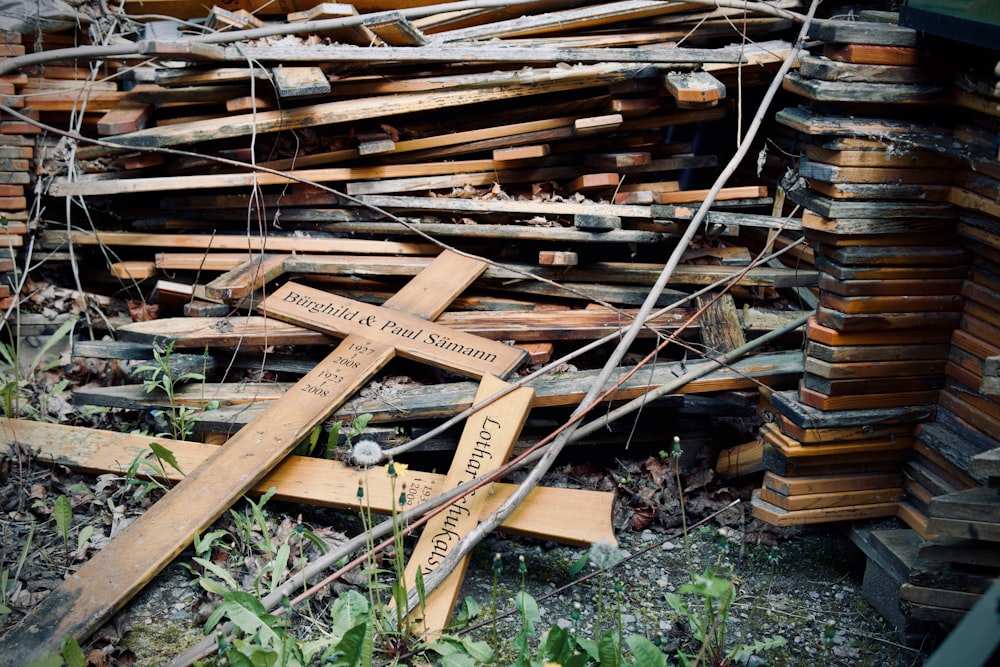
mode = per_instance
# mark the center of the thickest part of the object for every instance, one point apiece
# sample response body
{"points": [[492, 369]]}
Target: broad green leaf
{"points": [[349, 610], [48, 660], [219, 572], [72, 653], [62, 512], [212, 586], [480, 650], [609, 650], [646, 653], [528, 608], [458, 660], [247, 614], [349, 651], [165, 454], [559, 645], [359, 425], [578, 566], [589, 646], [85, 533], [280, 565]]}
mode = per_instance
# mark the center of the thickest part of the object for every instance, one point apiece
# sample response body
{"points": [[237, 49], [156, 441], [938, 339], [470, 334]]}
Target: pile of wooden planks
{"points": [[568, 142], [962, 559], [824, 466], [897, 402]]}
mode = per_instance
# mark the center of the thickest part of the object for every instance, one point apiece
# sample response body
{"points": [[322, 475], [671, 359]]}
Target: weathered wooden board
{"points": [[780, 517], [486, 443], [813, 436], [901, 256], [863, 32], [976, 504], [859, 387], [816, 123], [411, 336], [938, 597], [320, 482], [835, 499], [971, 552], [904, 157], [805, 416], [883, 326], [886, 192], [272, 243], [790, 448], [825, 484], [986, 464], [694, 90], [859, 402], [892, 304], [912, 516], [819, 67], [838, 208], [962, 528], [911, 287], [873, 369], [877, 353], [872, 272], [978, 411], [877, 55], [242, 281], [389, 403], [880, 174], [741, 460], [858, 91]]}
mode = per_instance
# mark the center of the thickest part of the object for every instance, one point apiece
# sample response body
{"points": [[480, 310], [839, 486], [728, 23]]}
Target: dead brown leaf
{"points": [[140, 311]]}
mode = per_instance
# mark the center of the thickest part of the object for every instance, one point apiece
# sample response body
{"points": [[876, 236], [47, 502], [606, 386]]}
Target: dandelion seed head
{"points": [[366, 452], [604, 554]]}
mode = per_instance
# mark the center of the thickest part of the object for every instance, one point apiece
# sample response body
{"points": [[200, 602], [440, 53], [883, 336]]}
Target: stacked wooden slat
{"points": [[962, 559], [879, 340], [890, 274], [824, 466], [17, 155], [903, 218]]}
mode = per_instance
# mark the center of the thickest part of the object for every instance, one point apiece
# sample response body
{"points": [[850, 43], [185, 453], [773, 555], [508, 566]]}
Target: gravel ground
{"points": [[801, 584], [810, 596]]}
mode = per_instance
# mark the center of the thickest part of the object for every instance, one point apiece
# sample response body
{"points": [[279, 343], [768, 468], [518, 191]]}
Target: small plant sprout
{"points": [[62, 512], [603, 555], [161, 374], [675, 454], [494, 635]]}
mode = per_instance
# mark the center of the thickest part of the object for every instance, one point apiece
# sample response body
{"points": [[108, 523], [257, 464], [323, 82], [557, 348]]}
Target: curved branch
{"points": [[492, 522]]}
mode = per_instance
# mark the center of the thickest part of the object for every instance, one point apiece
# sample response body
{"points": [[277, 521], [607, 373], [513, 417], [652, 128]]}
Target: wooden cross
{"points": [[401, 326]]}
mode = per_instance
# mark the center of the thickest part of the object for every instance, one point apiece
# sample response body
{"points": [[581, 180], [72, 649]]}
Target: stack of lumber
{"points": [[902, 247], [566, 141], [823, 466], [569, 145], [890, 267], [17, 151], [902, 215], [962, 559]]}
